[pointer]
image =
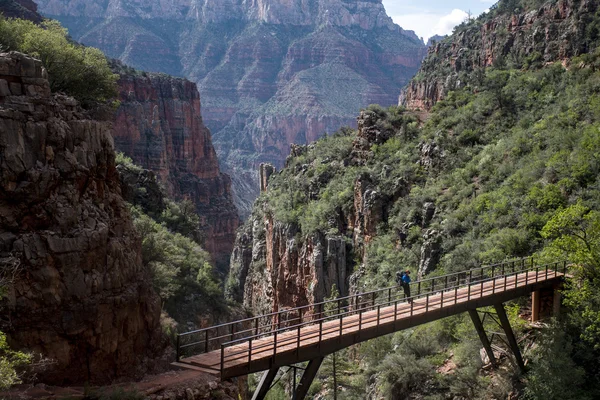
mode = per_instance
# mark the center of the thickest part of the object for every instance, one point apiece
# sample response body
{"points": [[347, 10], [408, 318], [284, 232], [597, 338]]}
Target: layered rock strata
{"points": [[78, 293], [159, 125], [275, 266], [554, 32], [271, 72]]}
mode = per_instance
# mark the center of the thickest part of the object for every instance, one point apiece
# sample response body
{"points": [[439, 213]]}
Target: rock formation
{"points": [[271, 72], [77, 291], [25, 9], [275, 265], [159, 125], [555, 32]]}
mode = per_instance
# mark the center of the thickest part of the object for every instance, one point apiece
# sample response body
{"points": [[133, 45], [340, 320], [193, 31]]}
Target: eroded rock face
{"points": [[80, 294], [25, 9], [271, 72], [159, 125], [554, 32]]}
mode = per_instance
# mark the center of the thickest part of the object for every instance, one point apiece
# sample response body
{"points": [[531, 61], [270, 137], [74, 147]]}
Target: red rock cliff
{"points": [[78, 292], [554, 32], [159, 125], [271, 72]]}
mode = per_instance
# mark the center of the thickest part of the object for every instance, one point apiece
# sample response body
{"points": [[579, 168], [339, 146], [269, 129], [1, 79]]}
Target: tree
{"points": [[79, 71]]}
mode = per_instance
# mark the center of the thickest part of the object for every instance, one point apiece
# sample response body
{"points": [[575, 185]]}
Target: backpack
{"points": [[399, 276]]}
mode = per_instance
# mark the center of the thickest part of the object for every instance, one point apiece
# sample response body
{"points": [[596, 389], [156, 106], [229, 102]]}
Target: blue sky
{"points": [[431, 17]]}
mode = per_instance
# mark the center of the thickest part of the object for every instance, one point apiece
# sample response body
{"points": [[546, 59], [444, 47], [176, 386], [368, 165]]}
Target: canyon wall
{"points": [[554, 32], [274, 265], [271, 72], [159, 125], [25, 9], [77, 290]]}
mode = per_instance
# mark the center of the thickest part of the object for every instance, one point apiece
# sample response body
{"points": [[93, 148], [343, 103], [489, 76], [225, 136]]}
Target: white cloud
{"points": [[429, 24], [448, 22]]}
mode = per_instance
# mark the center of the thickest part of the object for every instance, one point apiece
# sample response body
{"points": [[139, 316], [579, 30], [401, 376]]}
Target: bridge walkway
{"points": [[314, 331]]}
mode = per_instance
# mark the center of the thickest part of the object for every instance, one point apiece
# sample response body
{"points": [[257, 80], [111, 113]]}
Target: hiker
{"points": [[406, 285], [399, 276]]}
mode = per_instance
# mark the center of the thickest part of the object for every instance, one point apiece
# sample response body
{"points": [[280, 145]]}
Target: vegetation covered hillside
{"points": [[506, 166]]}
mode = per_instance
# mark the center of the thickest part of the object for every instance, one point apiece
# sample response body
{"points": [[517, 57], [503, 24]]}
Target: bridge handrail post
{"points": [[222, 359], [378, 313], [206, 342], [249, 352], [275, 344], [341, 324], [537, 272], [481, 290], [177, 349], [389, 295], [432, 285], [565, 267], [298, 344], [546, 271], [395, 310], [359, 320], [456, 295], [232, 330], [419, 288], [526, 277], [412, 306], [320, 331], [427, 303], [256, 327], [469, 287], [442, 300]]}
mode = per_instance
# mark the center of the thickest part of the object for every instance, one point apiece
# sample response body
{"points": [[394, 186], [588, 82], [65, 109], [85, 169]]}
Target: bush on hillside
{"points": [[79, 71]]}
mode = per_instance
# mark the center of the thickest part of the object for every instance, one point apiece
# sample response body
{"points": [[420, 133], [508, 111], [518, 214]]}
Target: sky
{"points": [[433, 17]]}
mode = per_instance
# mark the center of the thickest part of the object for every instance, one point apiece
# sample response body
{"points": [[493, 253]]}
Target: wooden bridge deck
{"points": [[319, 339]]}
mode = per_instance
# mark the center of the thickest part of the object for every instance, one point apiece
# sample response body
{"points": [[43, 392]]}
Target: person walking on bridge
{"points": [[406, 285]]}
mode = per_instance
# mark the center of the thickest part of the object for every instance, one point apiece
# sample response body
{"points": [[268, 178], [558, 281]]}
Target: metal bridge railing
{"points": [[274, 324]]}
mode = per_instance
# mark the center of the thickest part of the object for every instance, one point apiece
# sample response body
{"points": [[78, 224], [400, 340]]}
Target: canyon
{"points": [[159, 126], [271, 73]]}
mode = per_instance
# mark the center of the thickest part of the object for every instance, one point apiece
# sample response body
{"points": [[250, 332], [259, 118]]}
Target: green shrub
{"points": [[79, 71]]}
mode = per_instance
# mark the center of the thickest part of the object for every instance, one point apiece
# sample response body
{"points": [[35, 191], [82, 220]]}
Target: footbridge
{"points": [[288, 337]]}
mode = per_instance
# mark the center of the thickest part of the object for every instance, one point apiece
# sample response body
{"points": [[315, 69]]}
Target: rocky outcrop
{"points": [[78, 292], [271, 72], [25, 9], [275, 265], [159, 125], [554, 32]]}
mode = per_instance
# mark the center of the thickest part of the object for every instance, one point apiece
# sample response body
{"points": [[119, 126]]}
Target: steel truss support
{"points": [[485, 341], [265, 384], [510, 336], [309, 375]]}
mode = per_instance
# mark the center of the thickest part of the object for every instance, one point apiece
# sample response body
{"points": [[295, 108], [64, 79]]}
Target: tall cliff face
{"points": [[277, 264], [271, 72], [78, 293], [556, 31], [159, 125]]}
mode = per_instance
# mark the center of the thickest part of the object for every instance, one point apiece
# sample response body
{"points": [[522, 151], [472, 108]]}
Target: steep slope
{"points": [[271, 72], [25, 9], [485, 177], [78, 293], [514, 35], [159, 125]]}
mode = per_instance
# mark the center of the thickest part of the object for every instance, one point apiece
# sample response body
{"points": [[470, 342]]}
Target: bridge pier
{"points": [[307, 378], [485, 341], [265, 384], [535, 305], [510, 336]]}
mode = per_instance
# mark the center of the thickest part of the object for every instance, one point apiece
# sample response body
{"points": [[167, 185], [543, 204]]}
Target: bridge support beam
{"points": [[535, 305], [485, 341], [307, 378], [265, 384], [510, 336]]}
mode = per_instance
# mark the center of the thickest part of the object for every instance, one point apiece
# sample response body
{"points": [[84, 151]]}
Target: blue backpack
{"points": [[399, 277]]}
